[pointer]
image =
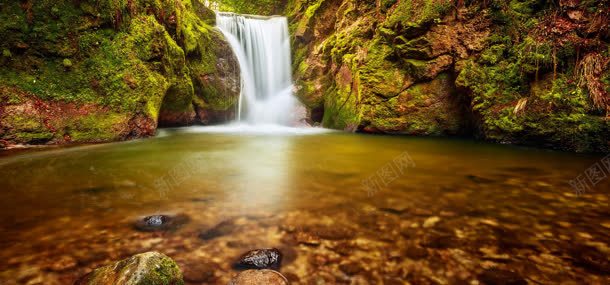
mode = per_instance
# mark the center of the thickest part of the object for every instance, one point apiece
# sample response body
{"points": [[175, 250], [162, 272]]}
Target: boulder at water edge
{"points": [[141, 269]]}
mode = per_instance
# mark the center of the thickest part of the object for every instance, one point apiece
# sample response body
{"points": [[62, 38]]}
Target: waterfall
{"points": [[262, 47]]}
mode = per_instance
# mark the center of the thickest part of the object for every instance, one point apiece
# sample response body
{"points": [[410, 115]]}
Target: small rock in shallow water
{"points": [[415, 252], [161, 223], [479, 179], [260, 259], [96, 190], [307, 239], [259, 277], [140, 269], [351, 268], [440, 241]]}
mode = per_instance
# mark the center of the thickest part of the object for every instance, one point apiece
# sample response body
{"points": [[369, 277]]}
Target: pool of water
{"points": [[342, 208]]}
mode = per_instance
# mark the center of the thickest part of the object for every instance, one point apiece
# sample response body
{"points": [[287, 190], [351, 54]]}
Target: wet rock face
{"points": [[436, 68], [119, 85], [216, 93], [393, 74], [270, 258], [262, 277], [25, 119], [141, 269], [161, 222]]}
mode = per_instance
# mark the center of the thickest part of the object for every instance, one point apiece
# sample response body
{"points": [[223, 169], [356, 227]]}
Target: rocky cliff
{"points": [[525, 72], [528, 72], [91, 70]]}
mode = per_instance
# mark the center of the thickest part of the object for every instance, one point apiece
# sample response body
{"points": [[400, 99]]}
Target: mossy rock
{"points": [[429, 108], [150, 268], [124, 62]]}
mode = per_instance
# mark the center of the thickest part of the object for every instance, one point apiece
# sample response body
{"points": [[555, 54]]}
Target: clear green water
{"points": [[462, 212]]}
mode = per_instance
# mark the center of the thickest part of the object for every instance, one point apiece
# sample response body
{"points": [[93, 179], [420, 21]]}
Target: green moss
{"points": [[166, 271], [28, 129], [342, 102], [426, 108], [412, 14], [96, 127], [150, 268], [555, 114], [379, 76], [67, 63], [258, 7], [416, 68], [117, 57]]}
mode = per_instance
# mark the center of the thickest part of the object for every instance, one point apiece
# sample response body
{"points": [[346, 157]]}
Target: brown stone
{"points": [[351, 268], [260, 259], [200, 271], [259, 277]]}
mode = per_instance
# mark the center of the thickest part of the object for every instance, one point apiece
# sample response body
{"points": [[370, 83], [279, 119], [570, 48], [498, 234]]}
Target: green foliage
{"points": [[257, 7]]}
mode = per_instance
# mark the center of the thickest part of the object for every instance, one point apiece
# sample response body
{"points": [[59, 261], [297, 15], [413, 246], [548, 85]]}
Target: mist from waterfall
{"points": [[262, 47]]}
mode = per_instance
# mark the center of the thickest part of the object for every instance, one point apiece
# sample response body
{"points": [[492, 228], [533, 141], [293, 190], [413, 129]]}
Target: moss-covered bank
{"points": [[525, 72], [103, 70]]}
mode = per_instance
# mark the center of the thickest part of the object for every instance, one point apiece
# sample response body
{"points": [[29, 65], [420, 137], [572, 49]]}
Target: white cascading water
{"points": [[262, 47]]}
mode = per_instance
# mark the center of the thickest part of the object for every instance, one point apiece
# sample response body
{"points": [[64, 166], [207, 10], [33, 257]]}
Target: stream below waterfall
{"points": [[342, 208]]}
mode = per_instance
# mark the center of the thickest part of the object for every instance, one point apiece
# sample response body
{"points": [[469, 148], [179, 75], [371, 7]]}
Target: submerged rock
{"points": [[415, 252], [270, 258], [259, 277], [351, 268], [141, 269], [438, 240], [161, 222], [591, 259], [221, 229], [307, 239], [200, 271], [497, 276]]}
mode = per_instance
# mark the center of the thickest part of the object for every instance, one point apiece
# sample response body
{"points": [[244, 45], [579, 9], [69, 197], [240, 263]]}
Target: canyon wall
{"points": [[523, 72], [530, 72]]}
